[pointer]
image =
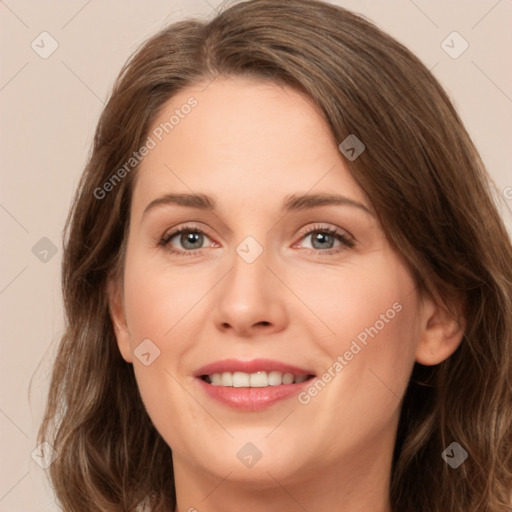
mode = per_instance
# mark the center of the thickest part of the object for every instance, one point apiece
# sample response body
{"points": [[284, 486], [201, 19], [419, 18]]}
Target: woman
{"points": [[216, 356]]}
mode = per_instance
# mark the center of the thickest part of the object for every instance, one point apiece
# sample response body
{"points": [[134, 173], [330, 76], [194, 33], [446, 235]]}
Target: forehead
{"points": [[243, 138]]}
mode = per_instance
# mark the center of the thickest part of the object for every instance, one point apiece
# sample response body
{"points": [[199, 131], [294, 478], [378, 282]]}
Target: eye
{"points": [[323, 239], [191, 239]]}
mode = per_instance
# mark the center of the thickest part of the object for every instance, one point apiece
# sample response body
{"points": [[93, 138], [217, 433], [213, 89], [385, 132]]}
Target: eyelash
{"points": [[346, 242]]}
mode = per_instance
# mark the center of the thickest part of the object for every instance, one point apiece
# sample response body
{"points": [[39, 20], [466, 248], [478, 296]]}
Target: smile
{"points": [[253, 380], [252, 385]]}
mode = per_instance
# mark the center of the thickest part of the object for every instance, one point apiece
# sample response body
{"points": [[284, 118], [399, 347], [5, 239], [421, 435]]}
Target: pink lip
{"points": [[256, 365], [251, 399]]}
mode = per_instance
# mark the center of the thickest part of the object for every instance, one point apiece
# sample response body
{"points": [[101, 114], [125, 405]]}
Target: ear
{"points": [[118, 316], [441, 333]]}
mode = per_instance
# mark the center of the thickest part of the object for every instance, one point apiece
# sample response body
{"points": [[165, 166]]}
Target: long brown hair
{"points": [[433, 198]]}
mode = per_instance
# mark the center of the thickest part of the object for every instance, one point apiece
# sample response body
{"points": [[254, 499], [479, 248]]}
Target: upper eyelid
{"points": [[317, 226]]}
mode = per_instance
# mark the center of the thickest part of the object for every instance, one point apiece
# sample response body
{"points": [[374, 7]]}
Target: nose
{"points": [[250, 300]]}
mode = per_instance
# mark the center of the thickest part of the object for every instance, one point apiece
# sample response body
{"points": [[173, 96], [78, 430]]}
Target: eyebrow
{"points": [[293, 202]]}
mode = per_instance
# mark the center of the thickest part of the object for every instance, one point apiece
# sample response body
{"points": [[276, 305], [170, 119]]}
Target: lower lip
{"points": [[252, 399]]}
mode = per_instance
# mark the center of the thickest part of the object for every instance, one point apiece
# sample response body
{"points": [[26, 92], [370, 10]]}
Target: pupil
{"points": [[321, 237], [191, 238]]}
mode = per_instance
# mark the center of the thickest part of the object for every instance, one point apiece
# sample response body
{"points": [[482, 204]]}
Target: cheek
{"points": [[160, 300], [373, 312], [367, 301], [159, 307], [381, 312], [168, 306]]}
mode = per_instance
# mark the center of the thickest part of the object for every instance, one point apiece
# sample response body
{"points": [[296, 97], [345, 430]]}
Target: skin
{"points": [[250, 144]]}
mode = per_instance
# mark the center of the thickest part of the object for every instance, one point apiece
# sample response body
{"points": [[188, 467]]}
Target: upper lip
{"points": [[253, 366]]}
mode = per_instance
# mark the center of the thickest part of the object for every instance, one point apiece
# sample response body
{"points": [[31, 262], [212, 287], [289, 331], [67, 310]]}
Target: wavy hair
{"points": [[432, 195]]}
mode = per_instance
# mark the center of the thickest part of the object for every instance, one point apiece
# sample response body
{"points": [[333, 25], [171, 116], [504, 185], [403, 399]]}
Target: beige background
{"points": [[49, 111]]}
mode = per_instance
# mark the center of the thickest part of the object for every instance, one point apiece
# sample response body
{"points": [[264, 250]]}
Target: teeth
{"points": [[275, 378], [240, 380], [288, 378], [258, 380], [254, 380], [216, 379], [226, 379]]}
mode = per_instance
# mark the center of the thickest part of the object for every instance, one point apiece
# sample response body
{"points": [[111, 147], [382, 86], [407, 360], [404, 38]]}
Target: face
{"points": [[272, 325]]}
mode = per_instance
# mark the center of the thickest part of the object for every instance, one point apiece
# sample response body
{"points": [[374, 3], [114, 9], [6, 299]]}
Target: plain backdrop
{"points": [[49, 108]]}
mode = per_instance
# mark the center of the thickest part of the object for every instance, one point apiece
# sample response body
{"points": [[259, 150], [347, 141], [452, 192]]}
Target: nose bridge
{"points": [[249, 275], [248, 296], [250, 250]]}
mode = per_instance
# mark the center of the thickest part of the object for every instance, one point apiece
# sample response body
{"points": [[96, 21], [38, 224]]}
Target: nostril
{"points": [[263, 323]]}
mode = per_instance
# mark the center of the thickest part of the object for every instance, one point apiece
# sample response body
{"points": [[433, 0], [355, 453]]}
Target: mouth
{"points": [[252, 385], [261, 379]]}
